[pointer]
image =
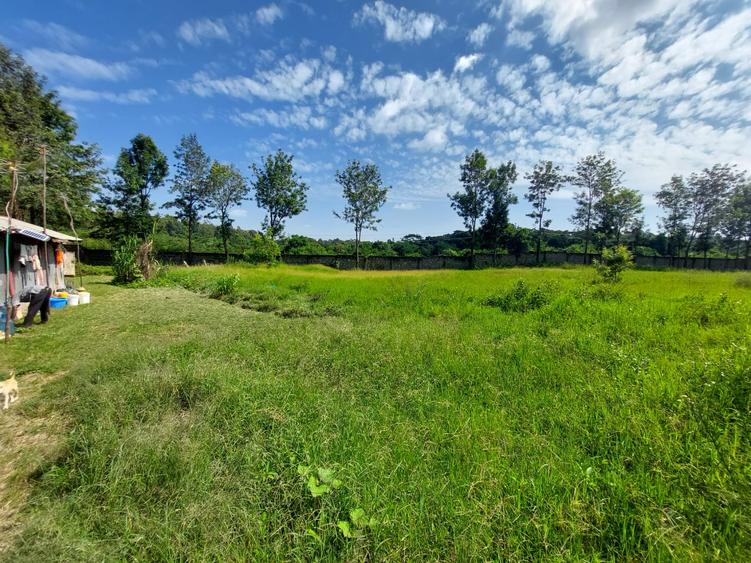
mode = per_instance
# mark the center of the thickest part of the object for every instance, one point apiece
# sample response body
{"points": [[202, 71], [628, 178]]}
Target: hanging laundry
{"points": [[39, 276]]}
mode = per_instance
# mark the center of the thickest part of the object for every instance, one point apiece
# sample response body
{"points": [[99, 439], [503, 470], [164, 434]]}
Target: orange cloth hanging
{"points": [[59, 256]]}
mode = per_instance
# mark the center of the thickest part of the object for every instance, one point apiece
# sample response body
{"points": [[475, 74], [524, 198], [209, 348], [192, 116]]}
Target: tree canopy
{"points": [[278, 190]]}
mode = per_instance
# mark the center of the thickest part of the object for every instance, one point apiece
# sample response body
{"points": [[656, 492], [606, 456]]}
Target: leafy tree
{"points": [[594, 175], [470, 203], [675, 199], [140, 169], [544, 180], [736, 223], [279, 191], [708, 192], [618, 210], [226, 189], [190, 184], [31, 117], [364, 194], [499, 197]]}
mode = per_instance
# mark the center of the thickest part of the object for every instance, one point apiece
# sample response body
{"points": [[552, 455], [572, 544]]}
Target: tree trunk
{"points": [[586, 249], [357, 248], [226, 250], [539, 237], [190, 242], [472, 251]]}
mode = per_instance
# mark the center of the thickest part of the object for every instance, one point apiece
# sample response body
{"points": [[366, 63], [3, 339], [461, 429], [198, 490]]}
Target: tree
{"points": [[674, 198], [190, 184], [227, 188], [31, 117], [140, 169], [708, 192], [544, 180], [470, 203], [618, 210], [736, 224], [498, 197], [593, 175], [279, 191], [364, 194]]}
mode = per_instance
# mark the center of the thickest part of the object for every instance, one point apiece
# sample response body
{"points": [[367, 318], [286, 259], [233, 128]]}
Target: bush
{"points": [[522, 297], [263, 249], [125, 262], [612, 263], [225, 287]]}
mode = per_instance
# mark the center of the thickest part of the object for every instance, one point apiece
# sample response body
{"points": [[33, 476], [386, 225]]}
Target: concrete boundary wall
{"points": [[98, 257]]}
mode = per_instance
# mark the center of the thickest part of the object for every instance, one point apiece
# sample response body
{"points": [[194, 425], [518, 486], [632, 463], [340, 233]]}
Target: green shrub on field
{"points": [[225, 287], [125, 263], [522, 297], [612, 263], [263, 249], [707, 312]]}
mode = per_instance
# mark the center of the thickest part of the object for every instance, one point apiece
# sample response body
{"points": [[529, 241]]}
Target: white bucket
{"points": [[73, 300], [84, 297]]}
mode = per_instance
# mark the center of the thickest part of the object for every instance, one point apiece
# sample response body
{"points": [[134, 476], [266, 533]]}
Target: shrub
{"points": [[698, 309], [612, 263], [125, 263], [522, 297], [225, 287], [263, 249]]}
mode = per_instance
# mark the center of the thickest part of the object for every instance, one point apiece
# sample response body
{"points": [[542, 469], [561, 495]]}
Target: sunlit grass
{"points": [[600, 423]]}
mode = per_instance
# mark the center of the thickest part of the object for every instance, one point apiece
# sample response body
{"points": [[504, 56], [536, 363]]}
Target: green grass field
{"points": [[305, 413]]}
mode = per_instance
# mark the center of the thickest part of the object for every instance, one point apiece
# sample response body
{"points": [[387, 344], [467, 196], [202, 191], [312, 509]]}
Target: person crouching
{"points": [[38, 298]]}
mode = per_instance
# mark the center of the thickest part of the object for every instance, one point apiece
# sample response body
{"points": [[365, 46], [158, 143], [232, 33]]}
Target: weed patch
{"points": [[523, 297]]}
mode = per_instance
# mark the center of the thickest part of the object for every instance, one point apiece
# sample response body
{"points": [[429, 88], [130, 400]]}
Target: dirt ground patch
{"points": [[27, 439]]}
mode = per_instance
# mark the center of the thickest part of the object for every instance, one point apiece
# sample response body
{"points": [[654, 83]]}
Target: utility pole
{"points": [[8, 210]]}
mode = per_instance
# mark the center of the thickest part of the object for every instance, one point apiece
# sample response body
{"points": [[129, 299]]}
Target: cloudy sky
{"points": [[662, 86]]}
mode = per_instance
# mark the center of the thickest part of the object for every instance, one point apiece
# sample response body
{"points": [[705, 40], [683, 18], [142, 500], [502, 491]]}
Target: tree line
{"points": [[204, 188], [713, 203]]}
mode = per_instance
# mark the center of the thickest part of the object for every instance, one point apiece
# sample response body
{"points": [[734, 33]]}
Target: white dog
{"points": [[9, 390]]}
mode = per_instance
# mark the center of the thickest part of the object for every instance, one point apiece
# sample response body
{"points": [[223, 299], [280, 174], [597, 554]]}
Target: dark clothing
{"points": [[39, 302]]}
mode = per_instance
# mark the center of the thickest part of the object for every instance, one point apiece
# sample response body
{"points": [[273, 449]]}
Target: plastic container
{"points": [[84, 297], [2, 323], [73, 300], [58, 302]]}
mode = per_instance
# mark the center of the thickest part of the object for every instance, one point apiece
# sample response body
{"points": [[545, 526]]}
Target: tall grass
{"points": [[456, 423]]}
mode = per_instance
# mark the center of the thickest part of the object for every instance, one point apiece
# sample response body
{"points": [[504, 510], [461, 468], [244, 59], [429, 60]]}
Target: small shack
{"points": [[37, 257]]}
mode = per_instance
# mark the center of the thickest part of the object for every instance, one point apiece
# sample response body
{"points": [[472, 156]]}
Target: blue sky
{"points": [[662, 86]]}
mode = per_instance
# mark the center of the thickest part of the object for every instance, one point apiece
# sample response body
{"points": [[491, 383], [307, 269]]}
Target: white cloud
{"points": [[479, 35], [520, 38], [406, 206], [196, 32], [540, 63], [400, 24], [136, 96], [65, 64], [466, 62], [58, 35], [267, 15], [289, 80], [298, 116], [512, 78], [434, 140]]}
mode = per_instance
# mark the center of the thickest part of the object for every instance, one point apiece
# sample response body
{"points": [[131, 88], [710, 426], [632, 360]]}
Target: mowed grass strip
{"points": [[315, 414]]}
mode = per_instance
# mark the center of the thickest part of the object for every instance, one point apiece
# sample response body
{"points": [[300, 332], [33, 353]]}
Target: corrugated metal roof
{"points": [[16, 226]]}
